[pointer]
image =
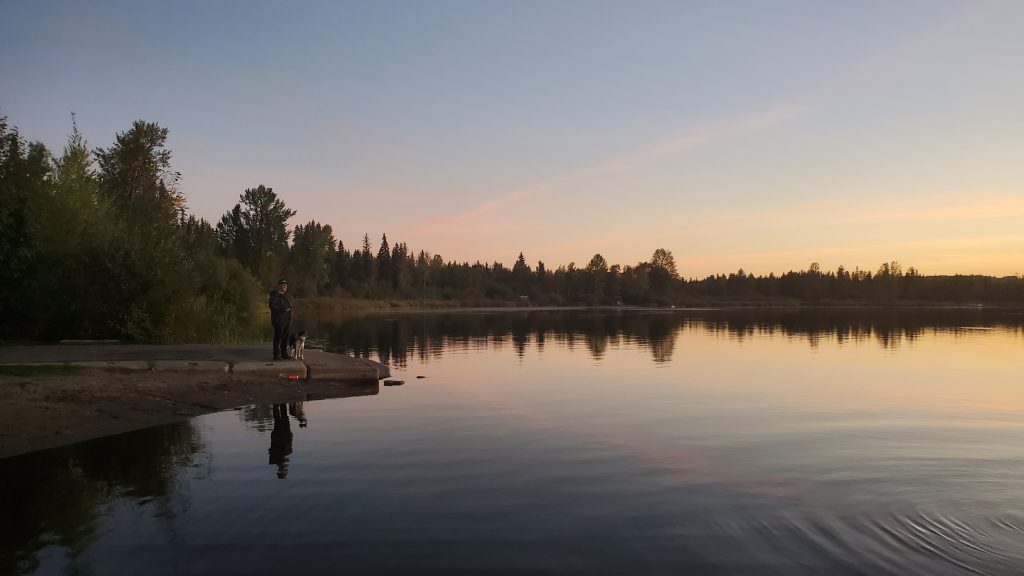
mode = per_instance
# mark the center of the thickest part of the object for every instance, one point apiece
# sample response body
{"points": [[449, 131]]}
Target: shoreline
{"points": [[66, 393], [61, 394], [46, 411], [344, 306]]}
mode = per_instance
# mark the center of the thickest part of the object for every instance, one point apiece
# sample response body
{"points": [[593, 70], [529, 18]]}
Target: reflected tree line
{"points": [[57, 497], [98, 243], [887, 327], [426, 336]]}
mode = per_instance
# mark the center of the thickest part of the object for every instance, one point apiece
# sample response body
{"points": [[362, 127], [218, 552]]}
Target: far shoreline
{"points": [[49, 407], [366, 306]]}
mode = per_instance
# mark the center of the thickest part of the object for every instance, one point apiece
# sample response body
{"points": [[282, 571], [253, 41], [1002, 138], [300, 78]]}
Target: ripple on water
{"points": [[898, 543]]}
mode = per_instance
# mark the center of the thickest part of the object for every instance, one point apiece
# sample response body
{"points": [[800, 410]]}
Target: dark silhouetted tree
{"points": [[255, 232], [136, 177], [662, 271], [310, 257], [384, 261]]}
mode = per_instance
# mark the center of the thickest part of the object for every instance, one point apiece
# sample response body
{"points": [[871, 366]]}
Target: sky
{"points": [[736, 134]]}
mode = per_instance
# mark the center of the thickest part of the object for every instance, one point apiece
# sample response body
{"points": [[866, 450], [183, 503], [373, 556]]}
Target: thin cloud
{"points": [[676, 145], [859, 74]]}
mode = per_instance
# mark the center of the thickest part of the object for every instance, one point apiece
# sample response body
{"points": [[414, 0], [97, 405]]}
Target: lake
{"points": [[573, 442]]}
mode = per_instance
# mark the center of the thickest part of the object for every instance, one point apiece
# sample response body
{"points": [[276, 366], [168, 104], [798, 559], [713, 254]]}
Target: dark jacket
{"points": [[280, 308]]}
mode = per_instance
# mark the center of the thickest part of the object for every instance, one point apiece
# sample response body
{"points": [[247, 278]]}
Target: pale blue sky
{"points": [[762, 135]]}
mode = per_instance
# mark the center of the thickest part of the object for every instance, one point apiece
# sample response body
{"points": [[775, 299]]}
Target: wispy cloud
{"points": [[672, 146], [870, 72], [686, 141], [486, 207]]}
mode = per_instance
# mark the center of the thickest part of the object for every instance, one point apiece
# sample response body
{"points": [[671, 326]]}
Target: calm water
{"points": [[574, 443]]}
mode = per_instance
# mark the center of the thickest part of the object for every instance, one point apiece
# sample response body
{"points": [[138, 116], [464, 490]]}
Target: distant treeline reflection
{"points": [[424, 336]]}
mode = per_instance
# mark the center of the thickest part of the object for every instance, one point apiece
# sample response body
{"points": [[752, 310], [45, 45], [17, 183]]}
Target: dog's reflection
{"points": [[298, 410]]}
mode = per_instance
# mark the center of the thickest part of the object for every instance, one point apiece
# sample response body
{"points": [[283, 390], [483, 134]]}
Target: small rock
{"points": [[394, 382], [420, 377]]}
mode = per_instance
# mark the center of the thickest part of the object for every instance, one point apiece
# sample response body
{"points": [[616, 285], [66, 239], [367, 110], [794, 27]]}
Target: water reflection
{"points": [[695, 443], [395, 339], [56, 497], [263, 417], [280, 440], [890, 328], [298, 410]]}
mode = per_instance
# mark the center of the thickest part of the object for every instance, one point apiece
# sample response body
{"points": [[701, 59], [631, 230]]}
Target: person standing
{"points": [[281, 319]]}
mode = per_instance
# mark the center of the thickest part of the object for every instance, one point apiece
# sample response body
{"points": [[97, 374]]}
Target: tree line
{"points": [[98, 243]]}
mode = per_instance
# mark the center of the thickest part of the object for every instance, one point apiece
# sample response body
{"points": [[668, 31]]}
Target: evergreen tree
{"points": [[522, 276], [341, 271], [74, 233], [384, 261], [367, 270], [76, 209], [400, 266], [422, 271]]}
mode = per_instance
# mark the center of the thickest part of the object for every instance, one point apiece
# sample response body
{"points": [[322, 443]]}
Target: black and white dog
{"points": [[296, 344]]}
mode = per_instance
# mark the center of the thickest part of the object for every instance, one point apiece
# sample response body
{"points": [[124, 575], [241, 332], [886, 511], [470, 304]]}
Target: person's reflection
{"points": [[298, 410], [281, 440]]}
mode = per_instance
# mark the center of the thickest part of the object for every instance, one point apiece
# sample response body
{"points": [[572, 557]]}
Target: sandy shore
{"points": [[49, 410]]}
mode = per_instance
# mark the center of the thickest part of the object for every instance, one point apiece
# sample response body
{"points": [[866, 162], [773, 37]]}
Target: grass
{"points": [[23, 370]]}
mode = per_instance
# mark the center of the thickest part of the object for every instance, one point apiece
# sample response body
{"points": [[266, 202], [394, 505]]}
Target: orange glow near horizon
{"points": [[835, 133], [950, 234]]}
